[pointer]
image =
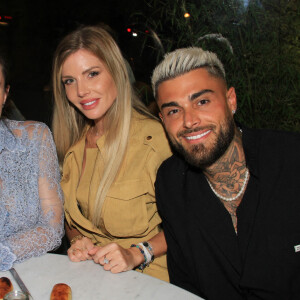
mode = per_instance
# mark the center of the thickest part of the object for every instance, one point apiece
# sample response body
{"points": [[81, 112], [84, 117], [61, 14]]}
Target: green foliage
{"points": [[258, 44]]}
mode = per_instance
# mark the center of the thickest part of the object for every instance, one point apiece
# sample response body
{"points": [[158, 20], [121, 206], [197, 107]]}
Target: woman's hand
{"points": [[118, 258], [79, 250]]}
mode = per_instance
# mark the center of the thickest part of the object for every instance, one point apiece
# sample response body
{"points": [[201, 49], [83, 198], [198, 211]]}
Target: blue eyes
{"points": [[90, 75], [68, 81]]}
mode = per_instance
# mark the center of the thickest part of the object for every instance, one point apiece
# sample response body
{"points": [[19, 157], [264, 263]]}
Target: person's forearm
{"points": [[159, 244], [33, 242], [71, 232]]}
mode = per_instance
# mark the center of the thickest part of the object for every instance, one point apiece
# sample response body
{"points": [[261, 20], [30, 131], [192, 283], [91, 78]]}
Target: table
{"points": [[90, 281]]}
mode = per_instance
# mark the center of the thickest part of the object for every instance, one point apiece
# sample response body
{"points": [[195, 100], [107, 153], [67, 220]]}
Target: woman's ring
{"points": [[77, 249], [106, 261]]}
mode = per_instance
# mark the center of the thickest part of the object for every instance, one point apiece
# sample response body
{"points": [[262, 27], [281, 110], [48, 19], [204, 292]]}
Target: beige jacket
{"points": [[129, 213]]}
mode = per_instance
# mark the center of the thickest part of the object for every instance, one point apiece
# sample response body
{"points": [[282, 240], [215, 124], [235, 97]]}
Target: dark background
{"points": [[263, 66], [33, 31]]}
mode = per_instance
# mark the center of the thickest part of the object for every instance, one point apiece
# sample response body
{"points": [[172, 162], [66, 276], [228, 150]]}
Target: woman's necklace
{"points": [[238, 194]]}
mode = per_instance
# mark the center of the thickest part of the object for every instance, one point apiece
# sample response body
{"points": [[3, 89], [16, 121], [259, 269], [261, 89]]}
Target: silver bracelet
{"points": [[148, 252]]}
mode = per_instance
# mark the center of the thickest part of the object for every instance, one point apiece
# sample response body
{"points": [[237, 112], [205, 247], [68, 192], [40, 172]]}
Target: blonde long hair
{"points": [[69, 124]]}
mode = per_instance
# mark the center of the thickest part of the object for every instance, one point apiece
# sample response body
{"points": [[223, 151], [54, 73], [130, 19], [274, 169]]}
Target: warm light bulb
{"points": [[187, 15]]}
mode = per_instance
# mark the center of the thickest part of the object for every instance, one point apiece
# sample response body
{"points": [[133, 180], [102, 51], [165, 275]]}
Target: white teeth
{"points": [[195, 137], [90, 103]]}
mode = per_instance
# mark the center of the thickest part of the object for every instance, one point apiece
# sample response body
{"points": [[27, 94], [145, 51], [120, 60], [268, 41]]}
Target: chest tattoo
{"points": [[231, 208]]}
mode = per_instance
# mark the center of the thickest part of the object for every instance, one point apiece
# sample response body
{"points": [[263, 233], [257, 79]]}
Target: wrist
{"points": [[138, 257], [146, 251], [7, 258], [76, 238]]}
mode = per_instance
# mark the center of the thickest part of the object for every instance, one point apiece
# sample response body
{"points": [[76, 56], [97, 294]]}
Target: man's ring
{"points": [[106, 261]]}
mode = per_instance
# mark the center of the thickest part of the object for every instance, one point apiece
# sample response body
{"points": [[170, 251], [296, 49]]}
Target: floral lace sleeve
{"points": [[35, 213]]}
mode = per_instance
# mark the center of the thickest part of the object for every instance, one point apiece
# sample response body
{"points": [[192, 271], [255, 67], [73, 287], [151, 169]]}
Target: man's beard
{"points": [[202, 157]]}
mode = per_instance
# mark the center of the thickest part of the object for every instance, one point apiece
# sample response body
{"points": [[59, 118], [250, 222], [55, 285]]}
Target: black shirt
{"points": [[205, 256]]}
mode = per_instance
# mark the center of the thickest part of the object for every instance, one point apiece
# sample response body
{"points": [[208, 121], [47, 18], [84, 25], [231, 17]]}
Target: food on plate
{"points": [[5, 286], [61, 291]]}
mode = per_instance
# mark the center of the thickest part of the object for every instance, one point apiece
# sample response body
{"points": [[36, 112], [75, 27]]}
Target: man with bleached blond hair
{"points": [[229, 197]]}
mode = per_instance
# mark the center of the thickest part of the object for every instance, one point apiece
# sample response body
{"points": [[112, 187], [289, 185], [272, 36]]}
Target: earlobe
{"points": [[161, 117], [231, 99], [6, 92]]}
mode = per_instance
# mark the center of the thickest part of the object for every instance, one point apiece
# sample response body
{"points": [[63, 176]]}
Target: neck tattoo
{"points": [[238, 194]]}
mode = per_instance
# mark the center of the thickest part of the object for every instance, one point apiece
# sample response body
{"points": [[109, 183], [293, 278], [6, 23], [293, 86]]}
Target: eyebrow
{"points": [[84, 72], [198, 94], [173, 103], [191, 98], [89, 69]]}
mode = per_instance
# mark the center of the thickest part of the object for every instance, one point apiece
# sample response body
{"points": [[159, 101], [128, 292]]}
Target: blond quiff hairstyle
{"points": [[184, 60]]}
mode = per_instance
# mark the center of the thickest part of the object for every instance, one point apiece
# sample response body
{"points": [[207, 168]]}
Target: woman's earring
{"points": [[233, 111]]}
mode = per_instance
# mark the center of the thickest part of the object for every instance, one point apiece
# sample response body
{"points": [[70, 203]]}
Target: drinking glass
{"points": [[16, 295]]}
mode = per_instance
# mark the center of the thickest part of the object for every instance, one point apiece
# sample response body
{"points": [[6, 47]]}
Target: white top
{"points": [[90, 281]]}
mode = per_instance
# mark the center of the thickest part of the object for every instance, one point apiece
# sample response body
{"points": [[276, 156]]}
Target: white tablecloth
{"points": [[90, 281]]}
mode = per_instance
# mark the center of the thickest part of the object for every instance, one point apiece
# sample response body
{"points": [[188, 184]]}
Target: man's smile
{"points": [[198, 136]]}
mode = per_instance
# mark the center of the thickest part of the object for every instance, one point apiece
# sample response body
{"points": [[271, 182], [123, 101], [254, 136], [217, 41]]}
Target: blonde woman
{"points": [[111, 148]]}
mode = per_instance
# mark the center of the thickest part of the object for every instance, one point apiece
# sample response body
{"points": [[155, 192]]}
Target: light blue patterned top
{"points": [[31, 204]]}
